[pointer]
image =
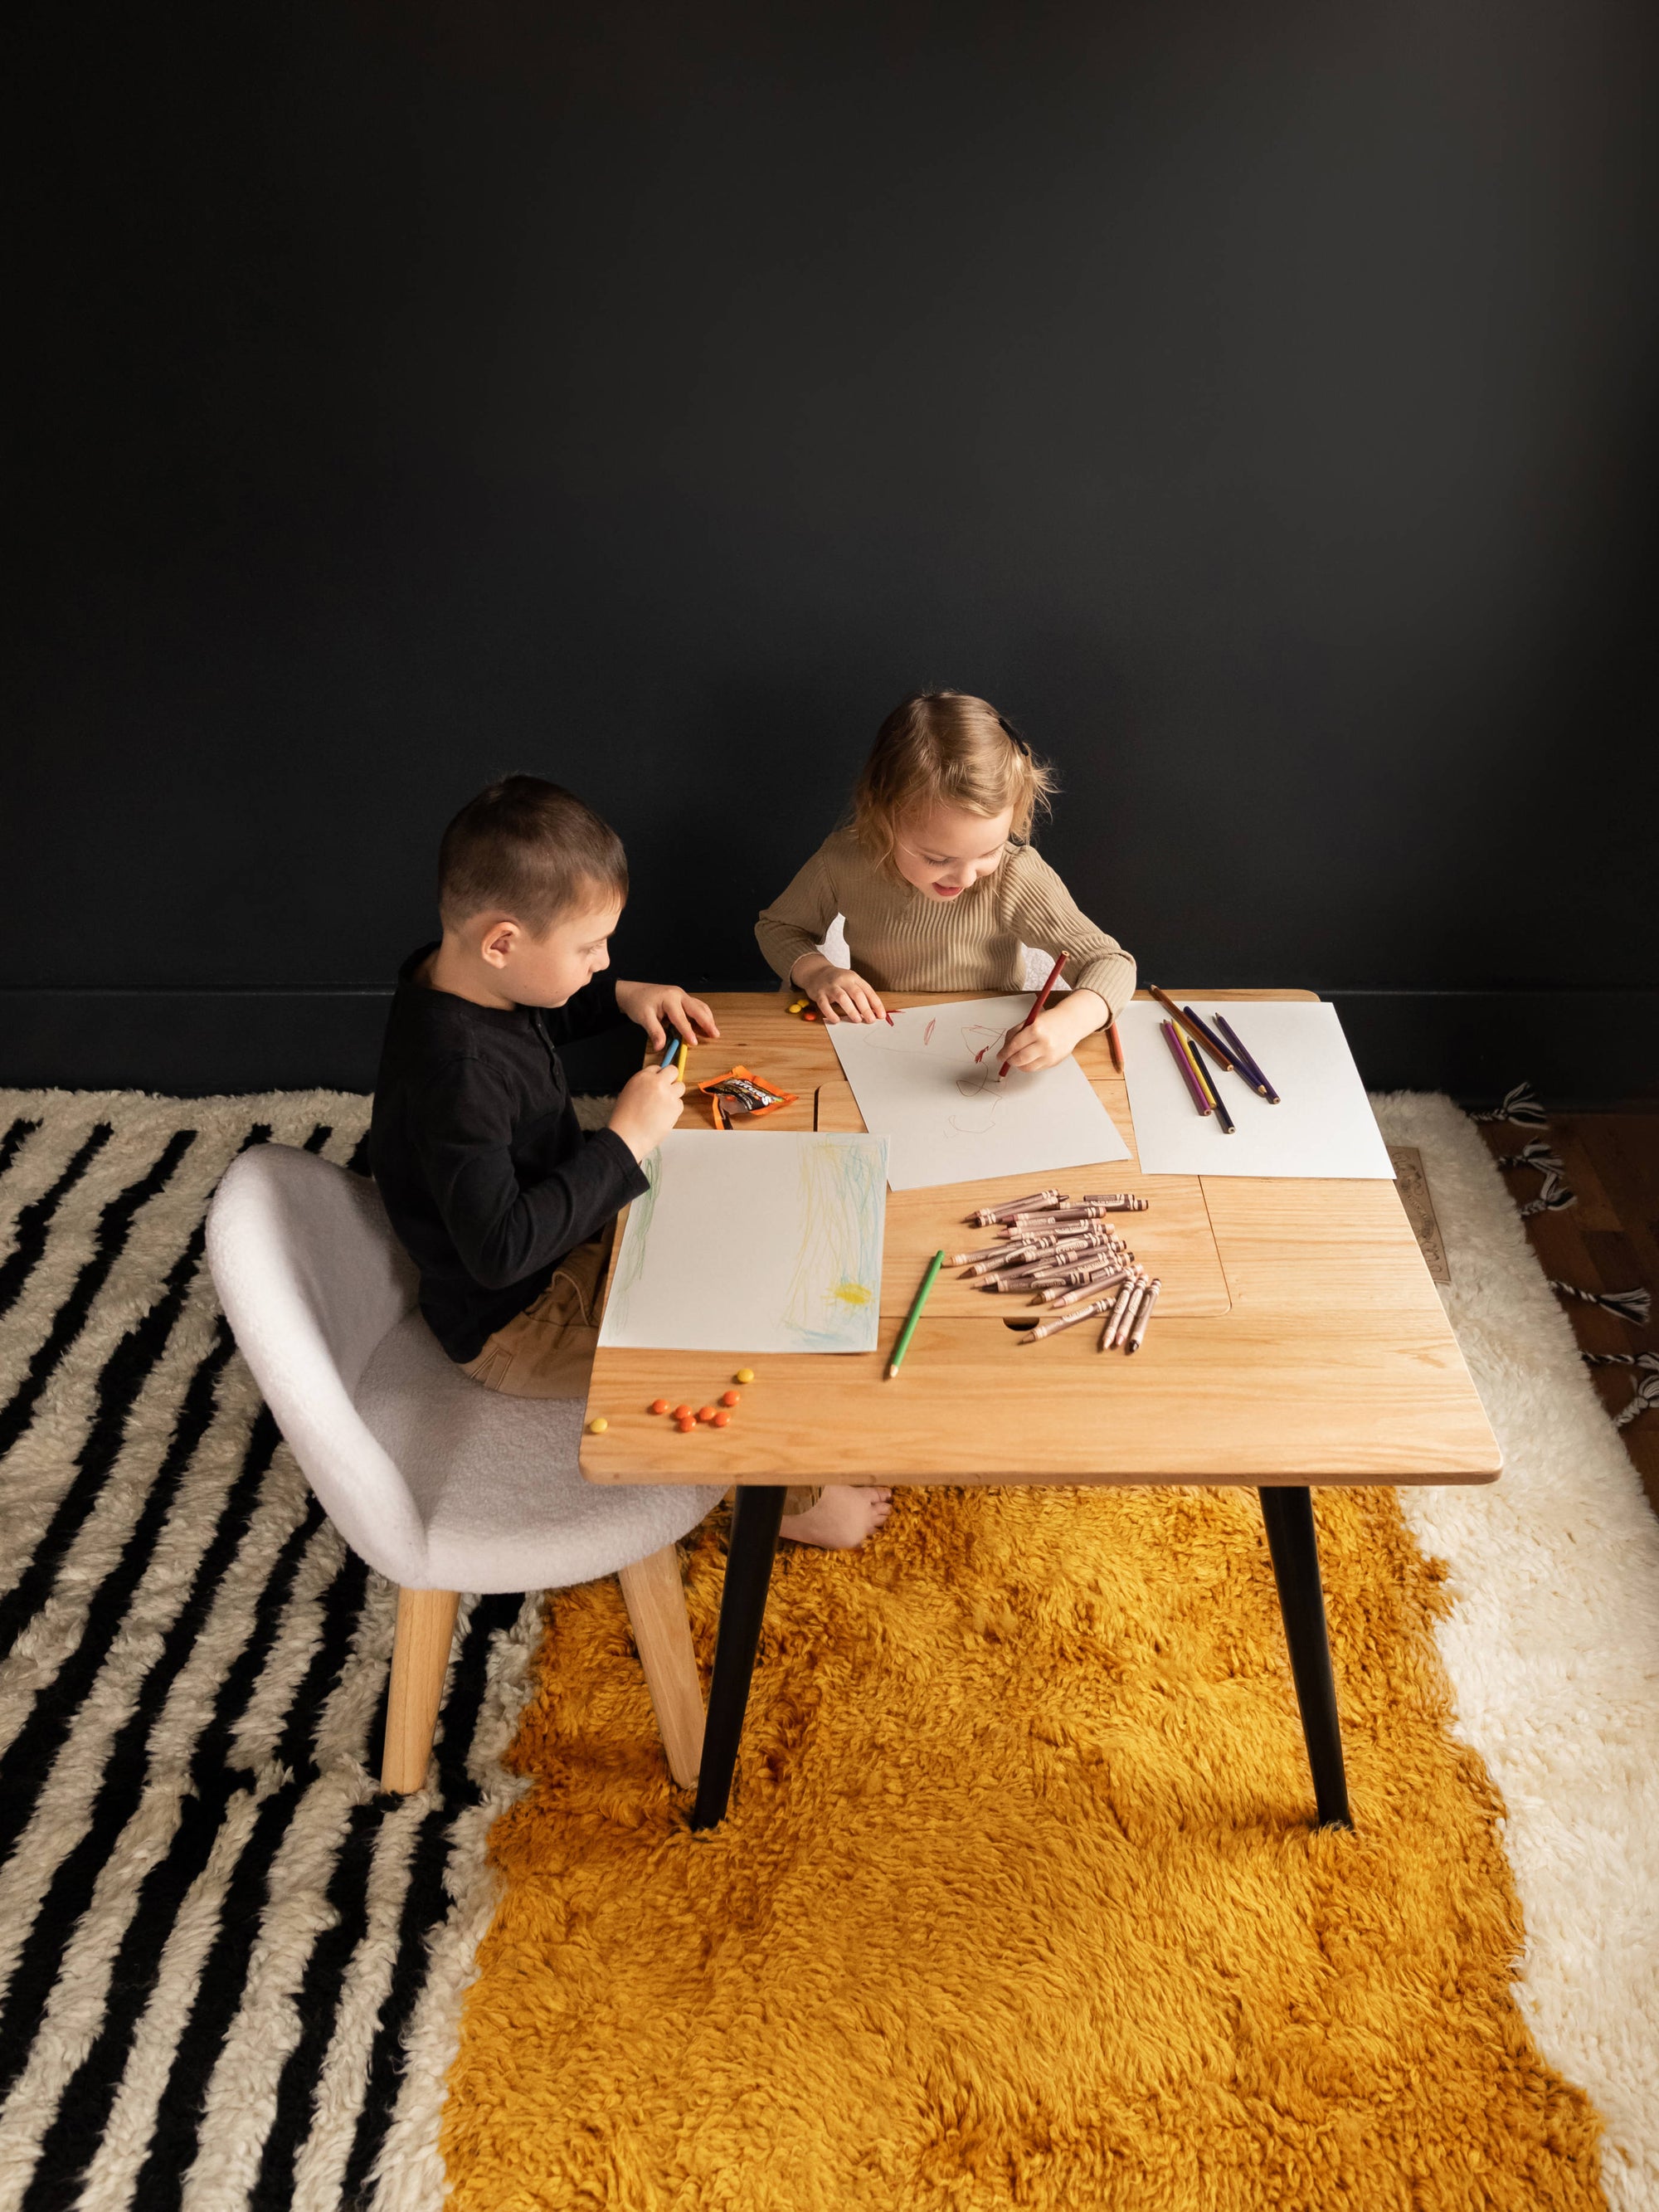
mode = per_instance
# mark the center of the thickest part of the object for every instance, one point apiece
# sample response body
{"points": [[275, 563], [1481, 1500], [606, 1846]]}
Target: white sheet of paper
{"points": [[753, 1243], [929, 1086], [1324, 1126]]}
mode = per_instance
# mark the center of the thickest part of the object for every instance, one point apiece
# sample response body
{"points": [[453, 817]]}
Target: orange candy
{"points": [[722, 1421], [729, 1397], [658, 1405], [705, 1413], [809, 1016], [681, 1413], [685, 1427]]}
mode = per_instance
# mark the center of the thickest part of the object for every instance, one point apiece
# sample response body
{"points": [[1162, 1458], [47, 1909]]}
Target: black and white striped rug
{"points": [[230, 1972]]}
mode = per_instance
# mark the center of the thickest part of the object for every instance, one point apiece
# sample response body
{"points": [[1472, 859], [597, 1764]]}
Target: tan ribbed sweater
{"points": [[901, 940]]}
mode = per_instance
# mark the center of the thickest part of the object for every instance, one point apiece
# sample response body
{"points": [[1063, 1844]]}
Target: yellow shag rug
{"points": [[1017, 1903]]}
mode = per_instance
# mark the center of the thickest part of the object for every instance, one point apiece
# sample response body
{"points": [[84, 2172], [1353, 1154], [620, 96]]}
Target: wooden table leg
{"points": [[1291, 1540], [756, 1512]]}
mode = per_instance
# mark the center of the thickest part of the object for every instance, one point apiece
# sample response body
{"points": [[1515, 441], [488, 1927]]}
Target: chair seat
{"points": [[495, 1480]]}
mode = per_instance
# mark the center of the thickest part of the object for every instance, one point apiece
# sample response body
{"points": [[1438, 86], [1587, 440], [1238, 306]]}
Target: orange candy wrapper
{"points": [[740, 1091]]}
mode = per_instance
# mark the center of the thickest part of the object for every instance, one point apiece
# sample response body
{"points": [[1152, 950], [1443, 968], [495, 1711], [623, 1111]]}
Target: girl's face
{"points": [[946, 850]]}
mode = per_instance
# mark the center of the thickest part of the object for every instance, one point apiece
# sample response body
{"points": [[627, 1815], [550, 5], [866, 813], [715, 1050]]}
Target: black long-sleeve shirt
{"points": [[487, 1176]]}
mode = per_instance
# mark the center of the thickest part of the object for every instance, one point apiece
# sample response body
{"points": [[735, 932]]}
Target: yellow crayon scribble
{"points": [[852, 1294]]}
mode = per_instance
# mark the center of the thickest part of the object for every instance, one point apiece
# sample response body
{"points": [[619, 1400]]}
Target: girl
{"points": [[939, 886], [940, 890]]}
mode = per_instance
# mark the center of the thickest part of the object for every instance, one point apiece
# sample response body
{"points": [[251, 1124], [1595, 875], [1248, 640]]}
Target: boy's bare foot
{"points": [[842, 1518]]}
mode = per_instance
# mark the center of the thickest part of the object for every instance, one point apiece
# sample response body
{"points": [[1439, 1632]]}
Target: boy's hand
{"points": [[840, 994], [646, 1109], [1056, 1032], [651, 1004]]}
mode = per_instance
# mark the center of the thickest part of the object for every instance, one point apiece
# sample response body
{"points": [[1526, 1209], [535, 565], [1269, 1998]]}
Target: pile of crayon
{"points": [[1064, 1255]]}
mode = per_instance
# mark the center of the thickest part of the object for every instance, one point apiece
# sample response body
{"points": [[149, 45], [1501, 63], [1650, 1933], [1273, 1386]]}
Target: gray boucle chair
{"points": [[438, 1483]]}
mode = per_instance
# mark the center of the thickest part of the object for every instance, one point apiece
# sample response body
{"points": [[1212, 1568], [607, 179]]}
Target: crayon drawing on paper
{"points": [[763, 1242], [929, 1084]]}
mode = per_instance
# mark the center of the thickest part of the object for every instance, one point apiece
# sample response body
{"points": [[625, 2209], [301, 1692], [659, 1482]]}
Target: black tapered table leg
{"points": [[1291, 1540], [756, 1512]]}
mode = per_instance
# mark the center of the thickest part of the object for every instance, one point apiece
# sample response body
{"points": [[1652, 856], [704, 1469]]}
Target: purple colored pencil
{"points": [[1246, 1060]]}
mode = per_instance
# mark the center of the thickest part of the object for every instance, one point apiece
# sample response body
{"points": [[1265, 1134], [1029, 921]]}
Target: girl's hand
{"points": [[651, 1004], [839, 993], [1056, 1032]]}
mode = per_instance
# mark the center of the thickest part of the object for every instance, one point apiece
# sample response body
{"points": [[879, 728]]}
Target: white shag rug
{"points": [[1552, 1648]]}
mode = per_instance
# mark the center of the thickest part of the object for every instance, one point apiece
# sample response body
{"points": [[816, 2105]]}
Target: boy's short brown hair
{"points": [[527, 848]]}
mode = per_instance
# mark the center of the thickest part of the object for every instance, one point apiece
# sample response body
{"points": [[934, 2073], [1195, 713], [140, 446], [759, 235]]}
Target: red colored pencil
{"points": [[1115, 1046], [1172, 1040], [1042, 1000]]}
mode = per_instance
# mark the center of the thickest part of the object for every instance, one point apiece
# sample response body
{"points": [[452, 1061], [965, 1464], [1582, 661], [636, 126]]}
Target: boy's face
{"points": [[545, 971], [948, 849]]}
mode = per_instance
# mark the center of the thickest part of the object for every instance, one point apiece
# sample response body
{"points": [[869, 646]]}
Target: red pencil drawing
{"points": [[928, 1083], [981, 1086]]}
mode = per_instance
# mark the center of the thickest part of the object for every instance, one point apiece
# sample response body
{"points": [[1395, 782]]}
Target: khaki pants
{"points": [[547, 1351]]}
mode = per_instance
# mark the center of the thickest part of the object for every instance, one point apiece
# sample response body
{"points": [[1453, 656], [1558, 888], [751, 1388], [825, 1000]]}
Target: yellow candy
{"points": [[596, 1428], [743, 1375]]}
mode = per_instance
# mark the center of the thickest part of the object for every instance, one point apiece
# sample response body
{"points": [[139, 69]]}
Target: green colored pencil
{"points": [[915, 1314]]}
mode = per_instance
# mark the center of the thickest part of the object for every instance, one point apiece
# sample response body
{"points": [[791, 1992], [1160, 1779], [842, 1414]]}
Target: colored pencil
{"points": [[1144, 1313], [915, 1314], [1179, 1056], [1213, 1089], [1247, 1061], [1042, 1000], [1189, 1022], [1115, 1046], [672, 1053]]}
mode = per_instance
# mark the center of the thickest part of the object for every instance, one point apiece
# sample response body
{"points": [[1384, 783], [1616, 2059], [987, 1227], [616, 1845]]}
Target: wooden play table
{"points": [[1298, 1341]]}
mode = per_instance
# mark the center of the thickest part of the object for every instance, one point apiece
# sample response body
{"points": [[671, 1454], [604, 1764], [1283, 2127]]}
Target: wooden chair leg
{"points": [[655, 1597], [420, 1658]]}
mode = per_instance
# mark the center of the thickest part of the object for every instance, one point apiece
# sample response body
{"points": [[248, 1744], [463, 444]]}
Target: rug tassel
{"points": [[1537, 1156], [1519, 1106], [1551, 1198], [1646, 1398], [1633, 1306]]}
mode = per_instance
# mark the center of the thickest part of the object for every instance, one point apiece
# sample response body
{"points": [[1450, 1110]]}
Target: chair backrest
{"points": [[312, 1277]]}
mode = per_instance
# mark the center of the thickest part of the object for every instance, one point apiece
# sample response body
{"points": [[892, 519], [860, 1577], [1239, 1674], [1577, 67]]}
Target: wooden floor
{"points": [[1609, 1240]]}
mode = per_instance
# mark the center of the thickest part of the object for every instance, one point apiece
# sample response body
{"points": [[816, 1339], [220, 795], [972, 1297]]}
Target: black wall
{"points": [[1257, 403]]}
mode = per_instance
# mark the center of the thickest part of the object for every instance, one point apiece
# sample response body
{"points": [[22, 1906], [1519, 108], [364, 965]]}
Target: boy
{"points": [[504, 1203], [501, 1199]]}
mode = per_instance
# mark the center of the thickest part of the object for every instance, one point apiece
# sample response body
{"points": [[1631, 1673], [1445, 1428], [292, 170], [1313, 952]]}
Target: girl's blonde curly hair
{"points": [[945, 748]]}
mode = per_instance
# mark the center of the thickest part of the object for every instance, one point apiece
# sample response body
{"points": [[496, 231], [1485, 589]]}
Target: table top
{"points": [[1297, 1338]]}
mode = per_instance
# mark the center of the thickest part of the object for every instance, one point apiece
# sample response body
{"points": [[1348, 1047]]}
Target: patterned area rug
{"points": [[221, 1955], [232, 1976]]}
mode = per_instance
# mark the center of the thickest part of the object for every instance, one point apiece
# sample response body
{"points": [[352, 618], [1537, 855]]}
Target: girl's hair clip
{"points": [[1013, 736]]}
